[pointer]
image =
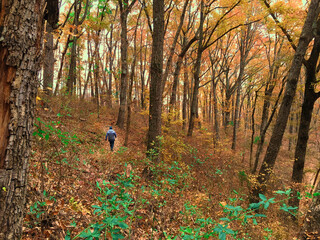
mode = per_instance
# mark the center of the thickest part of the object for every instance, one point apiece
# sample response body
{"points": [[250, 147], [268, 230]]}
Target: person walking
{"points": [[111, 137]]}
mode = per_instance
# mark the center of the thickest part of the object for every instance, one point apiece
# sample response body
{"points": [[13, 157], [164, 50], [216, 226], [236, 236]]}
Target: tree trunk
{"points": [[216, 135], [173, 45], [52, 17], [48, 61], [290, 143], [111, 58], [132, 75], [310, 97], [20, 52], [236, 117], [72, 76], [124, 64], [264, 130], [193, 107], [56, 90], [282, 118], [71, 81], [96, 80], [156, 72], [176, 74], [185, 94], [252, 127]]}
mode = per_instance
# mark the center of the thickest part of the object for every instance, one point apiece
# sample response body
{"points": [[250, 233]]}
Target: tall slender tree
{"points": [[156, 72], [125, 9], [52, 17]]}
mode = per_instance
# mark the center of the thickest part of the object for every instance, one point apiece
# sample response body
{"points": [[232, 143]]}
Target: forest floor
{"points": [[79, 189]]}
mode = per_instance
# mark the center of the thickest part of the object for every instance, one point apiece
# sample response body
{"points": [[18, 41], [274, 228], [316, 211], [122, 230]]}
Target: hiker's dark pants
{"points": [[111, 144]]}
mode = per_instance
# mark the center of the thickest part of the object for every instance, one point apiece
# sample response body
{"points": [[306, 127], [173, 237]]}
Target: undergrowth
{"points": [[80, 190]]}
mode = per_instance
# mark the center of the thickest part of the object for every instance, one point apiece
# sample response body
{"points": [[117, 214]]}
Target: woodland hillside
{"points": [[214, 103], [191, 193]]}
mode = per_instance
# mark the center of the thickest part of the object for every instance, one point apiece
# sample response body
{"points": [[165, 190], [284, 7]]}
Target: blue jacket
{"points": [[111, 135]]}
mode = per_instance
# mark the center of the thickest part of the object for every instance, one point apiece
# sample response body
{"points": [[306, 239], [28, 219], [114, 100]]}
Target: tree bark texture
{"points": [[282, 118], [124, 64], [156, 72], [20, 50]]}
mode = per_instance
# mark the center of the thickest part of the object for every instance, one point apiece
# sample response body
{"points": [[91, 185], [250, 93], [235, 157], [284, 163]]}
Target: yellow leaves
{"points": [[78, 206], [223, 204]]}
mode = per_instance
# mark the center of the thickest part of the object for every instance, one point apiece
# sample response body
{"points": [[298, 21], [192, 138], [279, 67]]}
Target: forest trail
{"points": [[102, 124], [190, 176]]}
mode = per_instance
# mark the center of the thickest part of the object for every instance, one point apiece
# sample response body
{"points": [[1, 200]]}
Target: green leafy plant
{"points": [[114, 211]]}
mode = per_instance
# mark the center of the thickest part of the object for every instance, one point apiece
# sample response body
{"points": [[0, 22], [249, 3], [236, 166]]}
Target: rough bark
{"points": [[20, 50], [124, 64], [282, 118], [156, 72]]}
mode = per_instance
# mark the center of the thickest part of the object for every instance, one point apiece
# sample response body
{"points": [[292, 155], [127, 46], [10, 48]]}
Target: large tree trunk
{"points": [[124, 64], [20, 51], [282, 118], [310, 97], [156, 72]]}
